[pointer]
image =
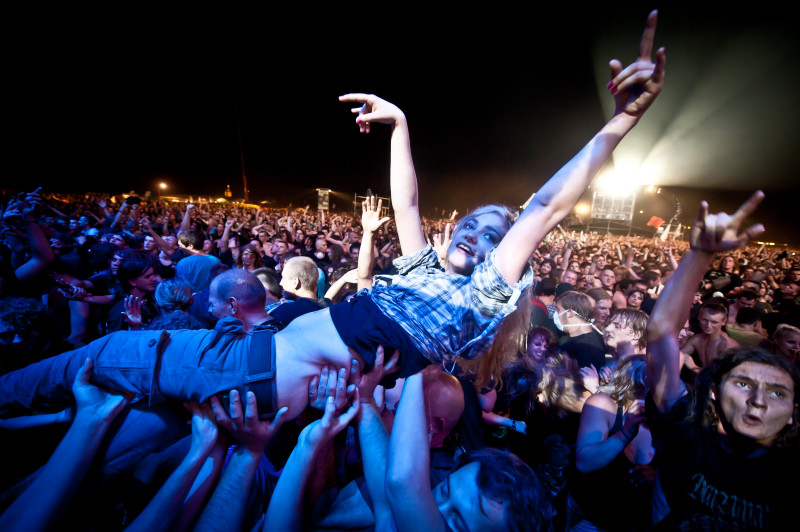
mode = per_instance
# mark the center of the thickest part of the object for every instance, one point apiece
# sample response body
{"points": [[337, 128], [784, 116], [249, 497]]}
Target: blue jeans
{"points": [[158, 365]]}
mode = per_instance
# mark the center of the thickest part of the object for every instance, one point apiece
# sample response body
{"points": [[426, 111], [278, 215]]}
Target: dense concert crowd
{"points": [[609, 382]]}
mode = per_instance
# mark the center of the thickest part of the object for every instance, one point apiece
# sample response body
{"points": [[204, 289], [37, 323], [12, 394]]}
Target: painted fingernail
{"points": [[610, 84], [614, 90]]}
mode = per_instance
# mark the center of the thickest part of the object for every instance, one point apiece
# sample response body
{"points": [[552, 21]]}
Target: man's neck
{"points": [[578, 329], [251, 320]]}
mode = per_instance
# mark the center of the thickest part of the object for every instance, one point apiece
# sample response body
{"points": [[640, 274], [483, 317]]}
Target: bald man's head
{"points": [[445, 400], [299, 278], [233, 291]]}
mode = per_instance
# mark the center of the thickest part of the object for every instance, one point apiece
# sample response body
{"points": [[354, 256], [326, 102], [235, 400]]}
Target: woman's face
{"points": [[635, 299], [789, 345], [537, 346], [473, 240], [545, 268], [248, 257]]}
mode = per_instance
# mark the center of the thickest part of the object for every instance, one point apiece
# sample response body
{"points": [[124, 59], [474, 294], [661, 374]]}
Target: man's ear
{"points": [[437, 425]]}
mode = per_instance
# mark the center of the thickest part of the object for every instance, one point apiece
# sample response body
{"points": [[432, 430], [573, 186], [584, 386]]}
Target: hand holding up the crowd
{"points": [[368, 382], [45, 499], [286, 506], [92, 401], [171, 500], [250, 434], [330, 383], [225, 509]]}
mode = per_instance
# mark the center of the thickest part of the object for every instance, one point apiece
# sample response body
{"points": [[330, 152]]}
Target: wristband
{"points": [[514, 425]]}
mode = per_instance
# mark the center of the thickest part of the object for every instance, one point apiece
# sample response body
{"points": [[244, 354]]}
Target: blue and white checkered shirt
{"points": [[446, 314]]}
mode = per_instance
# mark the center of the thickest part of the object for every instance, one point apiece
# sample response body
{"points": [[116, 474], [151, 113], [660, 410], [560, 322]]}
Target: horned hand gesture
{"points": [[714, 233], [636, 87]]}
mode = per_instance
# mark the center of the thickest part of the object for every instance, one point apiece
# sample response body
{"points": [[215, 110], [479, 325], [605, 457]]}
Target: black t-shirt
{"points": [[104, 283], [585, 349], [708, 488], [287, 312], [723, 281]]}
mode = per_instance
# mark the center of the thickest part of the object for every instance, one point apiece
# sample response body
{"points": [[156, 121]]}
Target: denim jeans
{"points": [[157, 365]]}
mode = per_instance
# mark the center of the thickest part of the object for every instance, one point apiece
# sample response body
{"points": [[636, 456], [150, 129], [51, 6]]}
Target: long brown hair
{"points": [[510, 343]]}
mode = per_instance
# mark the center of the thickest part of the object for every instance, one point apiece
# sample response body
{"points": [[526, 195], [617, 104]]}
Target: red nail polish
{"points": [[610, 83], [614, 90]]}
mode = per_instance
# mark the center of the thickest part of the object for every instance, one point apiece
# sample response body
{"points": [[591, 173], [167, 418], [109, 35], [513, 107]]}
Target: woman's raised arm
{"points": [[634, 90], [405, 201]]}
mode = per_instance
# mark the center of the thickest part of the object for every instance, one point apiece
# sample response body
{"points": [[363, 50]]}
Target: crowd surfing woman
{"points": [[457, 313], [430, 315]]}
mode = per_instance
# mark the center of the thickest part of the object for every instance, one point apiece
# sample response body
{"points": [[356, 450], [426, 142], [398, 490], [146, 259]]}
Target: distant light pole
{"points": [[161, 186]]}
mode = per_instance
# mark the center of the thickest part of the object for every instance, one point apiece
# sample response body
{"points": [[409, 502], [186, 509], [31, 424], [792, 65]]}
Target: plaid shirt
{"points": [[447, 315]]}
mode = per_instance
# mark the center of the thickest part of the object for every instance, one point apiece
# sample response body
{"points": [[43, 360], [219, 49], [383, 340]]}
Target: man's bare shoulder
{"points": [[693, 344], [730, 343]]}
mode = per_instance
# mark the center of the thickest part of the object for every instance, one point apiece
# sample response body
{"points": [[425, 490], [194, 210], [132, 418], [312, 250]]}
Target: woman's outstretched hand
{"points": [[373, 109], [637, 86]]}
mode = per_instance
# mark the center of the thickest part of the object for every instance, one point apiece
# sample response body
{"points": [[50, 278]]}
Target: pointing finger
{"points": [[355, 97], [649, 35]]}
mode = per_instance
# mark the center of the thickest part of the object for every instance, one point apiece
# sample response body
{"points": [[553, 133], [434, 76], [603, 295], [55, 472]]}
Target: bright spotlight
{"points": [[617, 183]]}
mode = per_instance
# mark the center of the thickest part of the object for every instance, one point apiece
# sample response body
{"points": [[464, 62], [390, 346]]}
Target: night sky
{"points": [[497, 100]]}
